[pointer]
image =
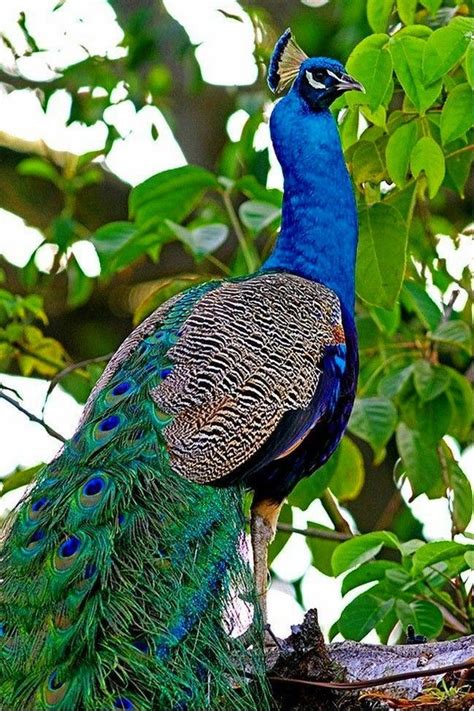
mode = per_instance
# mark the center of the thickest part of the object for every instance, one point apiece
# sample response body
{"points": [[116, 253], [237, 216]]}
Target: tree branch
{"points": [[32, 417], [314, 532], [307, 673], [70, 369]]}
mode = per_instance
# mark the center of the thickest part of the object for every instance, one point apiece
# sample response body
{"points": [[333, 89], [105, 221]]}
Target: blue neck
{"points": [[318, 237]]}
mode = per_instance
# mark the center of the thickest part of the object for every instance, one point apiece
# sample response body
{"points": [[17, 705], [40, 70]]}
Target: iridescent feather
{"points": [[285, 62]]}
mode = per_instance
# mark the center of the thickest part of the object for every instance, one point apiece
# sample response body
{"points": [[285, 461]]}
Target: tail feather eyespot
{"points": [[122, 703], [67, 553], [54, 690], [105, 429], [38, 507], [36, 538], [93, 491]]}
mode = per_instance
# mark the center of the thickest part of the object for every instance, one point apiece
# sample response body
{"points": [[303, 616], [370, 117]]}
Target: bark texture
{"points": [[305, 656]]}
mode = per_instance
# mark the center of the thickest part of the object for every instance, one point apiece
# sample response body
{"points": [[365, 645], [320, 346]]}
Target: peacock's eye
{"points": [[319, 75]]}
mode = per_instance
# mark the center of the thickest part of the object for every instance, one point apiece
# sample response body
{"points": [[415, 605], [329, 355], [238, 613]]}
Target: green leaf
{"points": [[79, 286], [456, 116], [63, 232], [371, 63], [469, 558], [118, 244], [321, 549], [422, 465], [433, 417], [445, 48], [436, 551], [349, 127], [406, 10], [432, 5], [459, 168], [360, 549], [462, 492], [378, 14], [425, 617], [398, 151], [257, 215], [462, 498], [415, 298], [469, 64], [250, 187], [164, 289], [20, 477], [385, 627], [387, 321], [373, 571], [407, 55], [349, 475], [381, 254], [309, 489], [374, 420], [362, 615], [39, 168], [202, 240], [368, 163], [428, 157], [430, 380], [454, 333], [461, 398], [379, 116], [396, 383], [172, 194]]}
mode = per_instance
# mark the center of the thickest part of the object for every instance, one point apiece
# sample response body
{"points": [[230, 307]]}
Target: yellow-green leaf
{"points": [[427, 157], [407, 53], [378, 14], [457, 114], [445, 48], [348, 478], [371, 63], [398, 151]]}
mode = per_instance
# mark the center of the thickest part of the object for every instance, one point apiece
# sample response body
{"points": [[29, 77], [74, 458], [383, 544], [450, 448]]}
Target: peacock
{"points": [[125, 578]]}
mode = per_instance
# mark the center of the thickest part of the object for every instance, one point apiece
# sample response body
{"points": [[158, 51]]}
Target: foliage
{"points": [[406, 142]]}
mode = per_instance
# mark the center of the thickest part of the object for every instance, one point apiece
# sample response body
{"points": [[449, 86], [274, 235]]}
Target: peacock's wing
{"points": [[249, 352]]}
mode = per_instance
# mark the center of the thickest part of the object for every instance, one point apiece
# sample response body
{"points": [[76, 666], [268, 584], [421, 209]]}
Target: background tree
{"points": [[407, 145]]}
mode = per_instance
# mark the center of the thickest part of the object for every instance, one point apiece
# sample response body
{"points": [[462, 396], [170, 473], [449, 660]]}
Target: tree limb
{"points": [[305, 673], [32, 417]]}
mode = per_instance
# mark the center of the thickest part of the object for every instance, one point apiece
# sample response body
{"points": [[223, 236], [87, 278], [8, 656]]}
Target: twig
{"points": [[333, 511], [380, 681], [314, 532], [70, 369], [32, 417], [11, 390], [249, 261], [385, 519]]}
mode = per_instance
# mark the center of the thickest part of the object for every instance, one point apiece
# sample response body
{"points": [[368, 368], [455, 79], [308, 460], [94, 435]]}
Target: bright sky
{"points": [[225, 56]]}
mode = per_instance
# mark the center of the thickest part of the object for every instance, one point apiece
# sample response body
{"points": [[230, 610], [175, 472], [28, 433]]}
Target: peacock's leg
{"points": [[263, 521]]}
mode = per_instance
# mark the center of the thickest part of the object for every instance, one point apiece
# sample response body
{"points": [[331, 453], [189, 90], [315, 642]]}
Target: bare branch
{"points": [[315, 532], [31, 417], [381, 681], [70, 369]]}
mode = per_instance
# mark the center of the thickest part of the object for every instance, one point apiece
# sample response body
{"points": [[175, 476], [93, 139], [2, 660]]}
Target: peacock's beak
{"points": [[348, 83]]}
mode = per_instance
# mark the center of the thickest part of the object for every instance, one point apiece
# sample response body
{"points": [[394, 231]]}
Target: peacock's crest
{"points": [[285, 62]]}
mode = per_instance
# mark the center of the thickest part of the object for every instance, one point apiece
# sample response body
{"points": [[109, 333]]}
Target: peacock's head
{"points": [[318, 80]]}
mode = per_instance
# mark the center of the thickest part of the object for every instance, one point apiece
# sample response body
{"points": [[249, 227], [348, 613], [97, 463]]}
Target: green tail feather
{"points": [[121, 580]]}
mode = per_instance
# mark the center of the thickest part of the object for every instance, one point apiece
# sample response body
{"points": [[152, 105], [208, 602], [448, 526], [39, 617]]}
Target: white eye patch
{"points": [[313, 82], [334, 76]]}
